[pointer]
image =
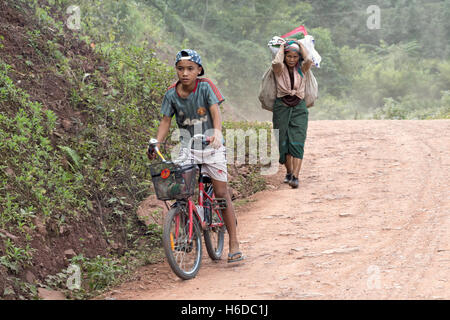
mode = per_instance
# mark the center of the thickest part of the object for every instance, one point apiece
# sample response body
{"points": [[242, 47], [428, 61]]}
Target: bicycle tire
{"points": [[214, 239], [214, 248], [176, 248]]}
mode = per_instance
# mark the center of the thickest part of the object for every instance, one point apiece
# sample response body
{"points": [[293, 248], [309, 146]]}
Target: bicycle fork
{"points": [[190, 207]]}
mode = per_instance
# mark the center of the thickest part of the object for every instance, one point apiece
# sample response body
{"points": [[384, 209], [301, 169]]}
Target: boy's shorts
{"points": [[213, 161]]}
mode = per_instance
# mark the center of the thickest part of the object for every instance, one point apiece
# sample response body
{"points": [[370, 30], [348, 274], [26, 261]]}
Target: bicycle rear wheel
{"points": [[214, 236], [183, 256]]}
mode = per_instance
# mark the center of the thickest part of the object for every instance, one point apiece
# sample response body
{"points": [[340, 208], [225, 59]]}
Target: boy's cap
{"points": [[190, 55]]}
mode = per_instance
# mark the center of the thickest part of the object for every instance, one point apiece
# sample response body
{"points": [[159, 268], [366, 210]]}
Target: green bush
{"points": [[33, 179], [99, 272]]}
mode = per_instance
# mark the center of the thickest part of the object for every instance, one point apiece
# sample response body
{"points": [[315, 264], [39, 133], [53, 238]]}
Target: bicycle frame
{"points": [[203, 195], [191, 205], [201, 199]]}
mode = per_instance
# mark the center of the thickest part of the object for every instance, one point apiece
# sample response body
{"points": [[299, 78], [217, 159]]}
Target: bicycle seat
{"points": [[206, 178]]}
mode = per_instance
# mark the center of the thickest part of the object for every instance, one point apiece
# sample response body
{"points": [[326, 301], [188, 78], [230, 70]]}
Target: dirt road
{"points": [[371, 220]]}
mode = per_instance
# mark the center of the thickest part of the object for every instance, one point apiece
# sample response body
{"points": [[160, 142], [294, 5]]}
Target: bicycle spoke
{"points": [[183, 251], [180, 262]]}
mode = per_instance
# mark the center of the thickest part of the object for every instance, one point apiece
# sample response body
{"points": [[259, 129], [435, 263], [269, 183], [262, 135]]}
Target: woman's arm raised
{"points": [[307, 62], [277, 63]]}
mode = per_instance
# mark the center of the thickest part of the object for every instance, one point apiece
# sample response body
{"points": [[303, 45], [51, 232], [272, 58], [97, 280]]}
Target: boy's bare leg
{"points": [[221, 191]]}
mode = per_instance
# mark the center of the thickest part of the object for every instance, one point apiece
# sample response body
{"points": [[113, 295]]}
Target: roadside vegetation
{"points": [[397, 71], [76, 111]]}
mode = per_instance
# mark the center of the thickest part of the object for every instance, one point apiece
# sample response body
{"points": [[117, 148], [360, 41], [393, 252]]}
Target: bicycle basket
{"points": [[173, 182]]}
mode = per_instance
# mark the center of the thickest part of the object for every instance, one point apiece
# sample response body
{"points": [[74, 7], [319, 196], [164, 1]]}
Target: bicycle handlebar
{"points": [[153, 148], [152, 145], [205, 140]]}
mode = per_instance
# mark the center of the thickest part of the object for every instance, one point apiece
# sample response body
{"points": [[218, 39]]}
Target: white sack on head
{"points": [[308, 42]]}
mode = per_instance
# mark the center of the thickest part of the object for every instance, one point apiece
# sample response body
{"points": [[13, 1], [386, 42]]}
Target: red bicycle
{"points": [[185, 221]]}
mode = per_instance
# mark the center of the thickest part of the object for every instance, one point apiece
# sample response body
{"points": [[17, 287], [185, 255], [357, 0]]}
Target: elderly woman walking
{"points": [[290, 114]]}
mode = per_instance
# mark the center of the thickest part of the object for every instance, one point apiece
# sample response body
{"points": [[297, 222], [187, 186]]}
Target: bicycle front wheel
{"points": [[183, 255]]}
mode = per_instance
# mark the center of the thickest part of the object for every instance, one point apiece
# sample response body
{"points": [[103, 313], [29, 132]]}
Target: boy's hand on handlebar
{"points": [[216, 140], [151, 150], [151, 154]]}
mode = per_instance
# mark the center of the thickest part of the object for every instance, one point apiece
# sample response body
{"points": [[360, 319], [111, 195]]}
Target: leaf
{"points": [[8, 291], [73, 157]]}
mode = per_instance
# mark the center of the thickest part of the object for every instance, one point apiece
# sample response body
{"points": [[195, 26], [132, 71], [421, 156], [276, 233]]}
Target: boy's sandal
{"points": [[231, 257]]}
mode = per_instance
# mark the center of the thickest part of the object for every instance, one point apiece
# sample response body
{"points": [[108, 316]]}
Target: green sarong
{"points": [[292, 123]]}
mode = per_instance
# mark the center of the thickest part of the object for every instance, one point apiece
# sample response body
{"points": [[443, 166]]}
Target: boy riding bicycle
{"points": [[195, 103]]}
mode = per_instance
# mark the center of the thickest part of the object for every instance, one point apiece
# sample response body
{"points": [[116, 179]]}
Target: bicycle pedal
{"points": [[220, 203]]}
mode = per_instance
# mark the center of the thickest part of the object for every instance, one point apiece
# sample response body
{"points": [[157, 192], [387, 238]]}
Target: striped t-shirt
{"points": [[192, 113]]}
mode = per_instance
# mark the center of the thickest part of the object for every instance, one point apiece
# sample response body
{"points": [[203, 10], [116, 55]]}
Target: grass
{"points": [[249, 180], [31, 166], [242, 202], [16, 258]]}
